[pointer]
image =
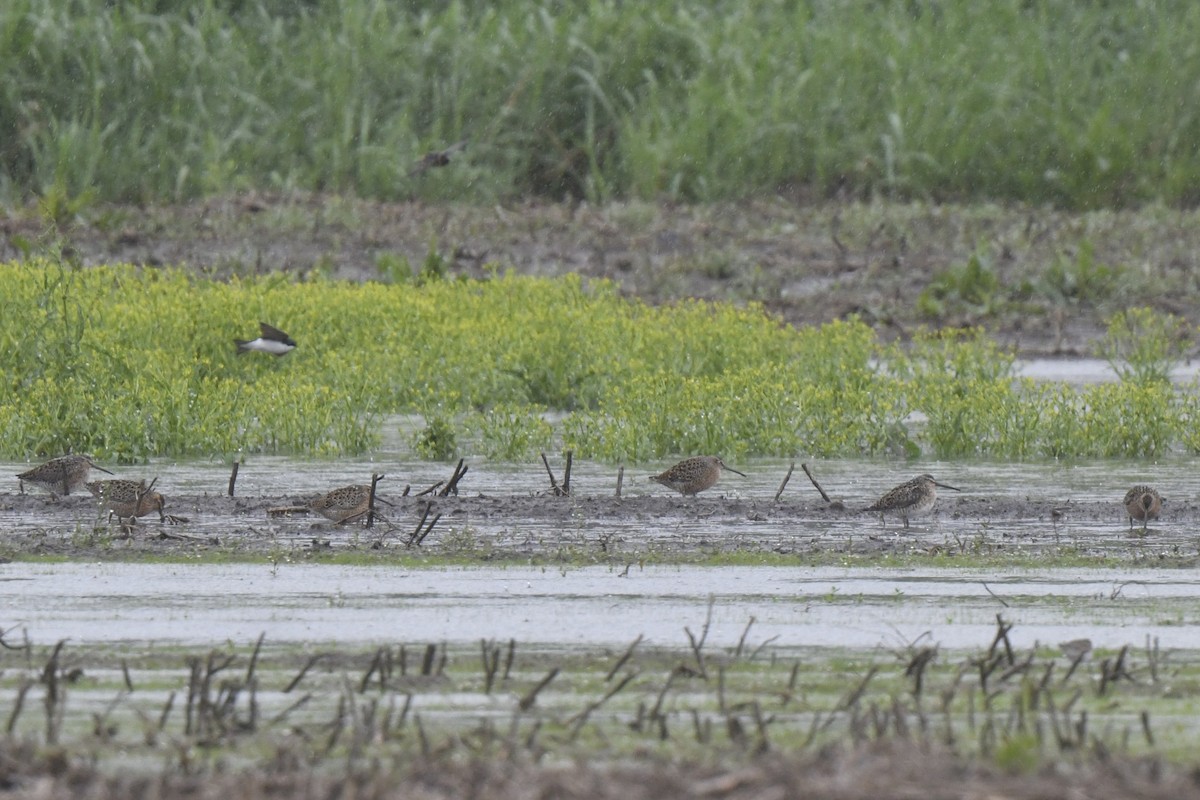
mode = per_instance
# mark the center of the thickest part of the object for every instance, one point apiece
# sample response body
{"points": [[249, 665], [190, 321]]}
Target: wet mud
{"points": [[592, 527]]}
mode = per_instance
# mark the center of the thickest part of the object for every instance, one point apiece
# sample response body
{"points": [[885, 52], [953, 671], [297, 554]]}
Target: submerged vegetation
{"points": [[1081, 105], [433, 716], [129, 362]]}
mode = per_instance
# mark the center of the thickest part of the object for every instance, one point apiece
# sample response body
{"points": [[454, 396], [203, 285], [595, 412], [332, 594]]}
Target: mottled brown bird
{"points": [[128, 499], [1142, 503], [61, 475], [910, 498], [344, 504], [693, 474]]}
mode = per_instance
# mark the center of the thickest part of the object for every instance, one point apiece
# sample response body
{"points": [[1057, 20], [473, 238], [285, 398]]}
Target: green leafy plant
{"points": [[1143, 345]]}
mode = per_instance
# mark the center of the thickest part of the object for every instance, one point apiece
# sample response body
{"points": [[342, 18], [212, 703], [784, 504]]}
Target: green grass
{"points": [[128, 363], [1081, 105]]}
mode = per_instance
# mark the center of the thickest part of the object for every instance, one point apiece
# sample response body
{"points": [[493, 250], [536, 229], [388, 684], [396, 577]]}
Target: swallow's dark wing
{"points": [[269, 332]]}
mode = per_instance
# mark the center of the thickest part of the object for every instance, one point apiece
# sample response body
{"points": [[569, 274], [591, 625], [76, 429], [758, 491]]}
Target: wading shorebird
{"points": [[60, 475], [272, 340], [693, 474], [910, 498], [344, 504], [128, 499], [1142, 503]]}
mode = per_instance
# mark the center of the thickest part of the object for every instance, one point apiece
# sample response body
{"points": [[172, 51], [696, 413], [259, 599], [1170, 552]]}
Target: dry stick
{"points": [[125, 672], [742, 641], [412, 540], [566, 486], [254, 657], [425, 532], [804, 467], [375, 665], [853, 698], [1149, 734], [787, 478], [18, 704], [553, 483], [282, 715], [529, 699], [166, 712], [459, 471], [1002, 629], [375, 479], [993, 594], [430, 490], [233, 476], [654, 712], [1152, 658], [427, 661], [625, 657], [698, 645], [620, 478], [765, 643], [508, 660], [303, 671], [491, 664], [52, 699], [580, 719]]}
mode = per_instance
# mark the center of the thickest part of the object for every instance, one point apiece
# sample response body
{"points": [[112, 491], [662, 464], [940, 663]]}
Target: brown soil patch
{"points": [[807, 263]]}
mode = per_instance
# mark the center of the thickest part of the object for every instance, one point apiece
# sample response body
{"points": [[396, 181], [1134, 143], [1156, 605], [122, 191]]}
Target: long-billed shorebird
{"points": [[128, 499], [61, 475], [344, 504], [693, 474], [910, 498], [1142, 503]]}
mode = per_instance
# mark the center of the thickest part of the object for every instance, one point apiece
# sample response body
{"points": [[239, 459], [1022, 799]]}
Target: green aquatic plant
{"points": [[1143, 345], [129, 363]]}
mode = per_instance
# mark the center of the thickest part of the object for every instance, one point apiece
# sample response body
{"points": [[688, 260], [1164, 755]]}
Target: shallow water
{"points": [[798, 608]]}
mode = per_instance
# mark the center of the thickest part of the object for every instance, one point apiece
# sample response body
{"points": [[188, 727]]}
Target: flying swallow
{"points": [[272, 340], [438, 158]]}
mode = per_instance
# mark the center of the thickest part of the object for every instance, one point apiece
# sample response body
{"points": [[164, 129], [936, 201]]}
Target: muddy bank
{"points": [[484, 527], [807, 263]]}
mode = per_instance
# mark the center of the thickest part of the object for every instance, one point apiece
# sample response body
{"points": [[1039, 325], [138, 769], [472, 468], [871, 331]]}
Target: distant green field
{"points": [[1077, 104], [128, 362]]}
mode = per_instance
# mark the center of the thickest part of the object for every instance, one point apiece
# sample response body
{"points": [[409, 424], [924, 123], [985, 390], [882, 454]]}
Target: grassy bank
{"points": [[1078, 104], [128, 363]]}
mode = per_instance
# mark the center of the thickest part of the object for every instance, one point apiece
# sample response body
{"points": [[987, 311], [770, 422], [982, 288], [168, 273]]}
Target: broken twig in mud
{"points": [[430, 490], [786, 478], [620, 479], [422, 530], [312, 660], [530, 697], [233, 476], [624, 657], [452, 487], [804, 467], [988, 589], [554, 487], [564, 489], [375, 479], [698, 644]]}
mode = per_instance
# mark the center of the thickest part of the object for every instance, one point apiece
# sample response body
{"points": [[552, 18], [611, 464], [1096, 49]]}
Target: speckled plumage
{"points": [[61, 475], [128, 499], [693, 474], [1142, 503], [910, 498], [342, 504]]}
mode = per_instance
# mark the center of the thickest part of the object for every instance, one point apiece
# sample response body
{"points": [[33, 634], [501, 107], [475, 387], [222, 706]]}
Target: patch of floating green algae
{"points": [[127, 363]]}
